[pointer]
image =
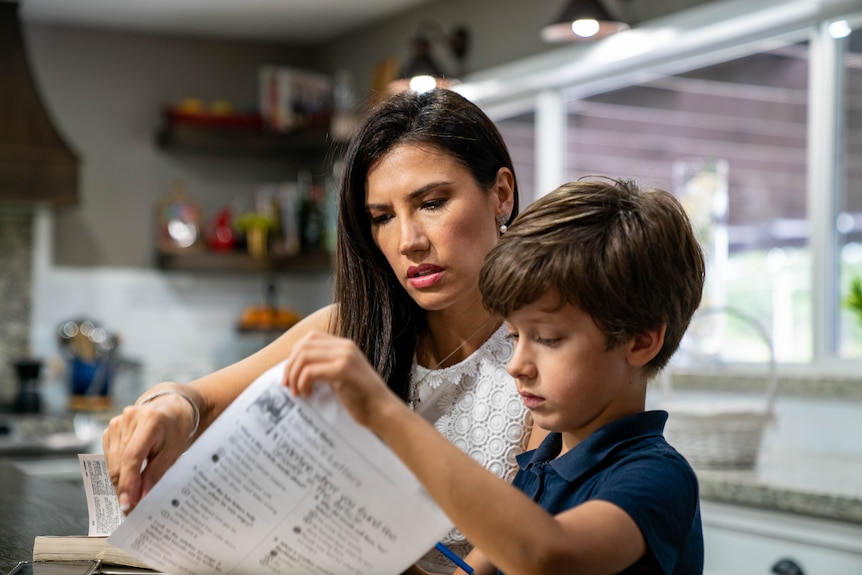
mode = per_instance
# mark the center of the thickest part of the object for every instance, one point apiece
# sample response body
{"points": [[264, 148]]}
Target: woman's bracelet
{"points": [[195, 411]]}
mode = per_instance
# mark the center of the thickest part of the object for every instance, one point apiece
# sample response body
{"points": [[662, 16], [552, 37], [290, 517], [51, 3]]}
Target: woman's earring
{"points": [[502, 221]]}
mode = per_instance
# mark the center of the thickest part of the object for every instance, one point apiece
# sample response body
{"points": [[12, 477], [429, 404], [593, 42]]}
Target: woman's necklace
{"points": [[414, 386]]}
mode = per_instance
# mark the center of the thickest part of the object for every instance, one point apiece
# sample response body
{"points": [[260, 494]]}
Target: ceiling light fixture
{"points": [[582, 20], [422, 73]]}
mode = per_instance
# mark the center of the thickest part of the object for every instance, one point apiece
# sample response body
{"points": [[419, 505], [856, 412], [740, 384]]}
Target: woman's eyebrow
{"points": [[427, 188], [412, 195]]}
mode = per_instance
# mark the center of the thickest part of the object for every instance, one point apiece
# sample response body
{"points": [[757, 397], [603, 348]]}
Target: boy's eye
{"points": [[511, 335], [547, 340]]}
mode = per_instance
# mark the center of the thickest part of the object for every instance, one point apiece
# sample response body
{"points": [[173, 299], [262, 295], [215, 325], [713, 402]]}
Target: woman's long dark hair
{"points": [[374, 310]]}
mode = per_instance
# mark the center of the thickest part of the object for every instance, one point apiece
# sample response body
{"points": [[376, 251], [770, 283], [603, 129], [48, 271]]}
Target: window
{"points": [[741, 94], [729, 140], [519, 133], [849, 219]]}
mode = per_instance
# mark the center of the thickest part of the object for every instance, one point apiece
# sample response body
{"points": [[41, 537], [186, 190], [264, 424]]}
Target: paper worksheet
{"points": [[281, 484]]}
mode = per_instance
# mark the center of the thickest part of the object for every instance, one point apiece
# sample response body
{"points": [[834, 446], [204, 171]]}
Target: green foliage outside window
{"points": [[853, 300]]}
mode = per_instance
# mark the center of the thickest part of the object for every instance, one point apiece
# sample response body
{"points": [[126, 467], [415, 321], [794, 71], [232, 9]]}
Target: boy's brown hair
{"points": [[625, 256]]}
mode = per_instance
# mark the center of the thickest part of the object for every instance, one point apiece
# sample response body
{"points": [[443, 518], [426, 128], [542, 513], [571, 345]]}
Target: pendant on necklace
{"points": [[414, 400]]}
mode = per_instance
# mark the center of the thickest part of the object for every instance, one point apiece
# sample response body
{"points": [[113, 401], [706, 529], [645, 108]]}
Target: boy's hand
{"points": [[320, 357]]}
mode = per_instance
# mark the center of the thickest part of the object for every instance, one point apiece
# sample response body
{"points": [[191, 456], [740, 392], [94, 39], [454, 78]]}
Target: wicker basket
{"points": [[721, 433]]}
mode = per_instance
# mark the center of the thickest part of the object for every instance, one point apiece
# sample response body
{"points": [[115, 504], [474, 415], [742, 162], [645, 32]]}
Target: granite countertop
{"points": [[817, 485], [32, 506]]}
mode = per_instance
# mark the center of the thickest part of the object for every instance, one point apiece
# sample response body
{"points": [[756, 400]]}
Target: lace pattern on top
{"points": [[475, 405]]}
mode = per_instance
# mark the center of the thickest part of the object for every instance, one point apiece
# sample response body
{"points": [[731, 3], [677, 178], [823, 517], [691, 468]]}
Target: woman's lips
{"points": [[424, 276], [531, 401]]}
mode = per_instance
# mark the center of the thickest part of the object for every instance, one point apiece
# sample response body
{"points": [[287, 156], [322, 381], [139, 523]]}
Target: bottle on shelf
{"points": [[312, 221]]}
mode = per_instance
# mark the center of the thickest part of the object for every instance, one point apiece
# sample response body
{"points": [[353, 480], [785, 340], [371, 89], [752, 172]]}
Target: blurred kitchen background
{"points": [[109, 80], [183, 128]]}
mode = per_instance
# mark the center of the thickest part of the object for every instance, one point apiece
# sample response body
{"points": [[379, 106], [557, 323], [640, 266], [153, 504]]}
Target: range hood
{"points": [[36, 165]]}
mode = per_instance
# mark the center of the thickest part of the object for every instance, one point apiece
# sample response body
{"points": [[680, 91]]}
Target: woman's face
{"points": [[433, 222]]}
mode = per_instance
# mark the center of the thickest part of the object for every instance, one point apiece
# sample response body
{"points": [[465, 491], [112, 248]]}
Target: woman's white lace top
{"points": [[475, 404]]}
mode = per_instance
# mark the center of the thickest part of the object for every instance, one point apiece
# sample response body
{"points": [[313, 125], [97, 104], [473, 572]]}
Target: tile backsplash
{"points": [[16, 247]]}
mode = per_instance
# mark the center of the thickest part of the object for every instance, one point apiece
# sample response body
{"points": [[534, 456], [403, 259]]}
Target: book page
{"points": [[103, 508], [281, 484]]}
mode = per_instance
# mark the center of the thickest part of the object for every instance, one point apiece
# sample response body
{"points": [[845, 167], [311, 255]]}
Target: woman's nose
{"points": [[413, 237]]}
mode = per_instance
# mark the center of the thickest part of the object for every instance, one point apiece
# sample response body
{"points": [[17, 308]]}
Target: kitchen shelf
{"points": [[265, 331], [201, 261], [242, 135], [236, 135]]}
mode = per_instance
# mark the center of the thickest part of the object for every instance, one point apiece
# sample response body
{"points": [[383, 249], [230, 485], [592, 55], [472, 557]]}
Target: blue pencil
{"points": [[454, 558]]}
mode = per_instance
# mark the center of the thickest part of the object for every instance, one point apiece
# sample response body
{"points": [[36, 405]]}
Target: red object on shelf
{"points": [[232, 121], [222, 237]]}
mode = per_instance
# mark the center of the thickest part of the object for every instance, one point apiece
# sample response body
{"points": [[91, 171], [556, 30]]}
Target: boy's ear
{"points": [[645, 346]]}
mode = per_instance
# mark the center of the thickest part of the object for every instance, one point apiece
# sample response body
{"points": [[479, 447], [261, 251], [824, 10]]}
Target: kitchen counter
{"points": [[32, 506], [814, 485], [826, 486], [810, 460]]}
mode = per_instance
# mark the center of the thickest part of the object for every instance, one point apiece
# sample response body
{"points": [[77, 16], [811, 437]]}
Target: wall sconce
{"points": [[582, 20], [422, 72]]}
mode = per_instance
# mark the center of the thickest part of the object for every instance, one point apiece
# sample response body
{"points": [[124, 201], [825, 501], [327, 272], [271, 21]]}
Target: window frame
{"points": [[695, 38]]}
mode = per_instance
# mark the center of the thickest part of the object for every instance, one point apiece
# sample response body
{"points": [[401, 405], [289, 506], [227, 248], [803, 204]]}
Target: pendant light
{"points": [[422, 73], [582, 20]]}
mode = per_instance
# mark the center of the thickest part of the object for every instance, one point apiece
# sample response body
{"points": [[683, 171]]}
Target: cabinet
{"points": [[746, 541], [236, 136]]}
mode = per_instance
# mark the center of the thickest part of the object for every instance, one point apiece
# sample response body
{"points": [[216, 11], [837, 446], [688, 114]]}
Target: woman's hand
{"points": [[320, 357], [158, 432], [145, 440]]}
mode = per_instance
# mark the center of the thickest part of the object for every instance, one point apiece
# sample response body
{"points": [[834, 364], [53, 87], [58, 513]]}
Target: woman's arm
{"points": [[159, 431], [220, 388], [510, 529]]}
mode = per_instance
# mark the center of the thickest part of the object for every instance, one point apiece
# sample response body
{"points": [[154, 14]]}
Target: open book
{"points": [[81, 547], [281, 484], [104, 513]]}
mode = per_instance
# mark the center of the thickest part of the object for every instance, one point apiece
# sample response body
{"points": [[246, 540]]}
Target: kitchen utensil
{"points": [[91, 354]]}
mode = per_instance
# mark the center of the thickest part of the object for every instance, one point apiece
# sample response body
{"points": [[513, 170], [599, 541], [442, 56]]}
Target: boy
{"points": [[597, 282]]}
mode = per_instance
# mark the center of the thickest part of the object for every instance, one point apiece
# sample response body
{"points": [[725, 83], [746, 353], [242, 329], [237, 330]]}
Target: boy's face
{"points": [[567, 378]]}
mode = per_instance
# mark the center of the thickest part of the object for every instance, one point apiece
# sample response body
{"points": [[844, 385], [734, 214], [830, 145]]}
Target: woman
{"points": [[427, 188]]}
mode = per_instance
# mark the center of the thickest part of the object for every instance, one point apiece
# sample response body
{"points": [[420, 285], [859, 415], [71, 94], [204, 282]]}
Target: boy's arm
{"points": [[513, 532], [480, 564]]}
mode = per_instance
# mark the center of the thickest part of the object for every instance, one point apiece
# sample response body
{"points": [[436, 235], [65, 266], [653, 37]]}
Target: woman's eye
{"points": [[381, 219], [433, 204]]}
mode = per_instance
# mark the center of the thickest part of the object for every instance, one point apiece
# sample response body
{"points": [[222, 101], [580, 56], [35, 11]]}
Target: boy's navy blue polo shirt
{"points": [[628, 463]]}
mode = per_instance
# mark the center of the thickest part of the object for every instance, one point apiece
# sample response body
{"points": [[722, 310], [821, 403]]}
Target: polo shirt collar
{"points": [[596, 447]]}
